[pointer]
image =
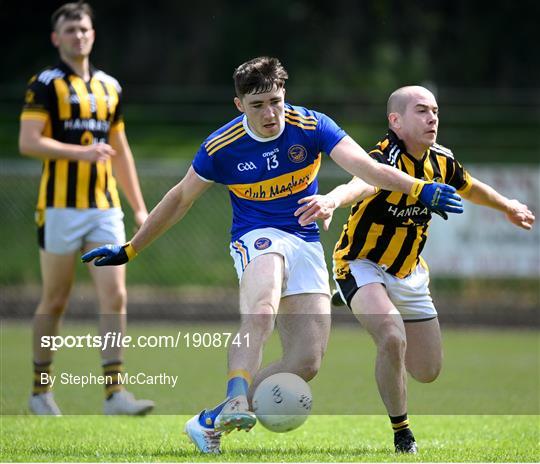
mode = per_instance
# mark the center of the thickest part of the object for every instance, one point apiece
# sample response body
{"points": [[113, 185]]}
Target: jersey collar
{"points": [[392, 136], [255, 136], [62, 65]]}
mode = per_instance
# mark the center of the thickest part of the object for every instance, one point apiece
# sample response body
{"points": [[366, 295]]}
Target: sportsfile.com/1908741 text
{"points": [[117, 340]]}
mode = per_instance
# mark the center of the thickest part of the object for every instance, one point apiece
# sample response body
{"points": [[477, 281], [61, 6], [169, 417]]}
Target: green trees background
{"points": [[364, 44]]}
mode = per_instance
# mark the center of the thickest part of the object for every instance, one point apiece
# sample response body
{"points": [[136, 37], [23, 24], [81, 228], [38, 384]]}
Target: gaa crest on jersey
{"points": [[262, 243], [297, 153]]}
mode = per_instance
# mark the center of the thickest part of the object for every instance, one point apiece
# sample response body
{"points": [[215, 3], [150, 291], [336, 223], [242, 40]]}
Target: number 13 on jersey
{"points": [[272, 162]]}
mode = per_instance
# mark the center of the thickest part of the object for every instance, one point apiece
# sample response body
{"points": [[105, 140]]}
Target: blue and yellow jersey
{"points": [[267, 176]]}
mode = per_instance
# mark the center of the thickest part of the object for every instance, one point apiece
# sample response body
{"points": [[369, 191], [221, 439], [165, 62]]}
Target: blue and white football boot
{"points": [[205, 437], [235, 415]]}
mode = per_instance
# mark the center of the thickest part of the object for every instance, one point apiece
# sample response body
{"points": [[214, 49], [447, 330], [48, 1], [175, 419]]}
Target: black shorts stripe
{"points": [[348, 287], [420, 320]]}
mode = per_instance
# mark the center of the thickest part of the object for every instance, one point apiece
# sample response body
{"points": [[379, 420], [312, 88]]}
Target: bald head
{"points": [[400, 98], [413, 115]]}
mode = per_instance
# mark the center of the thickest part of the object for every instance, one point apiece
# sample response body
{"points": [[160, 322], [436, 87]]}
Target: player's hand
{"points": [[98, 152], [520, 215], [110, 255], [441, 214], [441, 199], [316, 207]]}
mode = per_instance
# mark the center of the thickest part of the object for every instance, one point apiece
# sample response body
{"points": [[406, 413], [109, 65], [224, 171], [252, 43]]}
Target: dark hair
{"points": [[259, 75], [71, 11]]}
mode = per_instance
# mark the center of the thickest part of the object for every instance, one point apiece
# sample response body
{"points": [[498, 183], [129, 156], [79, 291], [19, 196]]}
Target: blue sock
{"points": [[237, 386]]}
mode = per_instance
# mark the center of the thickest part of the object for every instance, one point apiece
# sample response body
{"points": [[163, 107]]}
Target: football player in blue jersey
{"points": [[377, 263], [269, 157]]}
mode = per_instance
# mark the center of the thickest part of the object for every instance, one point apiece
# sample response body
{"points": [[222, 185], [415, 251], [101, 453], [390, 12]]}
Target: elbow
{"points": [[176, 197], [25, 146]]}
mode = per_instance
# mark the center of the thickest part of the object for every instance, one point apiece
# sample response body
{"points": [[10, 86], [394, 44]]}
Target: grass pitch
{"points": [[320, 439], [483, 408]]}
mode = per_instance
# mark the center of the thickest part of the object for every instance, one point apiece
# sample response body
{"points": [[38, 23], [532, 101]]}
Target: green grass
{"points": [[484, 406], [321, 439], [485, 372]]}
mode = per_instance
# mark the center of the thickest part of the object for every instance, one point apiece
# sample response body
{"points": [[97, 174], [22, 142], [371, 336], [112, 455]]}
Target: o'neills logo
{"points": [[262, 243], [297, 153]]}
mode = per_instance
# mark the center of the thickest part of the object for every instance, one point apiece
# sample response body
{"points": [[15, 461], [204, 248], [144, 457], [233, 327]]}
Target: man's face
{"points": [[74, 38], [420, 121], [265, 112]]}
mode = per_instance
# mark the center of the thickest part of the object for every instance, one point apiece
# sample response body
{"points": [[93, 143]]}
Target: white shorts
{"points": [[305, 267], [410, 295], [65, 230]]}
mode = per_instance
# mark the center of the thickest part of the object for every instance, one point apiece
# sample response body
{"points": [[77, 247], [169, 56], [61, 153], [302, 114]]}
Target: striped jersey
{"points": [[267, 176], [81, 113], [390, 228]]}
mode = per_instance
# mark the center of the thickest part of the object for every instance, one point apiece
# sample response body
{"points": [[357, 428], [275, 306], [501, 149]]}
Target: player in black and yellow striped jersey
{"points": [[79, 113], [72, 120], [377, 263], [390, 228]]}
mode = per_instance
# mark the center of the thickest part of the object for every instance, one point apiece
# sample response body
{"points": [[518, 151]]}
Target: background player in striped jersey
{"points": [[377, 262], [72, 121], [269, 158]]}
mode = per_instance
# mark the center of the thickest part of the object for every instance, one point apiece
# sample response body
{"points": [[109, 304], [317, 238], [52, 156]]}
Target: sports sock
{"points": [[111, 370], [399, 423], [42, 384], [238, 383]]}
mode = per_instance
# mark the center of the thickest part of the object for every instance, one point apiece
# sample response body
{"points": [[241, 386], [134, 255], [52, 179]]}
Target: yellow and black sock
{"points": [[111, 371], [399, 423], [42, 378]]}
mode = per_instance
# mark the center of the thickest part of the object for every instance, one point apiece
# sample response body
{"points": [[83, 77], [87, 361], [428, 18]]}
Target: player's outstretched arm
{"points": [[437, 197], [172, 207], [323, 206], [517, 213]]}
